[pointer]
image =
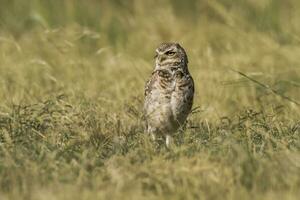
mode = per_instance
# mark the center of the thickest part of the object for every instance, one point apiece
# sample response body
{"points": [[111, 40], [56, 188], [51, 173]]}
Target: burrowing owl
{"points": [[169, 92]]}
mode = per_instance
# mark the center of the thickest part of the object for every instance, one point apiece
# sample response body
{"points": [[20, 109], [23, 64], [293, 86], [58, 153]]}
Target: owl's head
{"points": [[170, 55]]}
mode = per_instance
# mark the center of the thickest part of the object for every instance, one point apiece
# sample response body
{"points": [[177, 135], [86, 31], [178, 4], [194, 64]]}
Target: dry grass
{"points": [[72, 75]]}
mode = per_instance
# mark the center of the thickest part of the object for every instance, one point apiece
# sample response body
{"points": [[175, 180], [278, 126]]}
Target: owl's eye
{"points": [[170, 53]]}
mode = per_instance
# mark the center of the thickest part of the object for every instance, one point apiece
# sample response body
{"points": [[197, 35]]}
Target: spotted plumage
{"points": [[169, 92]]}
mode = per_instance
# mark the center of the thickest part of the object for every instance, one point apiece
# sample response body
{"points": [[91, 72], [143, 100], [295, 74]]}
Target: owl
{"points": [[169, 92]]}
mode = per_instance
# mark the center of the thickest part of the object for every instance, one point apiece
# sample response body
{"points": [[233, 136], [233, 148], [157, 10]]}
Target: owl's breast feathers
{"points": [[168, 93], [168, 81], [160, 80]]}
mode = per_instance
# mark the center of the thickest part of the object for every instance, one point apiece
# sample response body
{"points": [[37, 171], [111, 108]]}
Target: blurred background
{"points": [[103, 50], [72, 76]]}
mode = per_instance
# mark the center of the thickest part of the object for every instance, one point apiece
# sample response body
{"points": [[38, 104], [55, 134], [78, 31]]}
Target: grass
{"points": [[72, 75]]}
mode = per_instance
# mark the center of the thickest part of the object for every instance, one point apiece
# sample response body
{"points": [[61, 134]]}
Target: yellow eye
{"points": [[170, 53]]}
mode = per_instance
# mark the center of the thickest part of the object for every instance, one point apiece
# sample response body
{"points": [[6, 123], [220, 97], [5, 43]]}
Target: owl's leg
{"points": [[169, 141], [151, 132], [153, 137]]}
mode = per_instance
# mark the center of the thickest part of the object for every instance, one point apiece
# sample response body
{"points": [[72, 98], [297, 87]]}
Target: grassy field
{"points": [[72, 75]]}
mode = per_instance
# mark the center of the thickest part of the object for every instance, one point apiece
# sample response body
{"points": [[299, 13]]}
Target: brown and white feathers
{"points": [[169, 92]]}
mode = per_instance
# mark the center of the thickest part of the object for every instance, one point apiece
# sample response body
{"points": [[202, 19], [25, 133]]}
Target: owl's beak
{"points": [[161, 58]]}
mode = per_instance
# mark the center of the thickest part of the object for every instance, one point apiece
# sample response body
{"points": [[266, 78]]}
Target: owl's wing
{"points": [[186, 83], [149, 84], [186, 87], [147, 87]]}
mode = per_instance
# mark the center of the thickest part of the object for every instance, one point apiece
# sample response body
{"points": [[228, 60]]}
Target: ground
{"points": [[72, 76]]}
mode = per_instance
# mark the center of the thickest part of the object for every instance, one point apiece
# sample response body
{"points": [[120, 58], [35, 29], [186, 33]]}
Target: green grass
{"points": [[72, 75]]}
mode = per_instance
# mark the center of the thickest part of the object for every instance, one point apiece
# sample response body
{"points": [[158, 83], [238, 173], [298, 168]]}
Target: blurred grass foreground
{"points": [[72, 74]]}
